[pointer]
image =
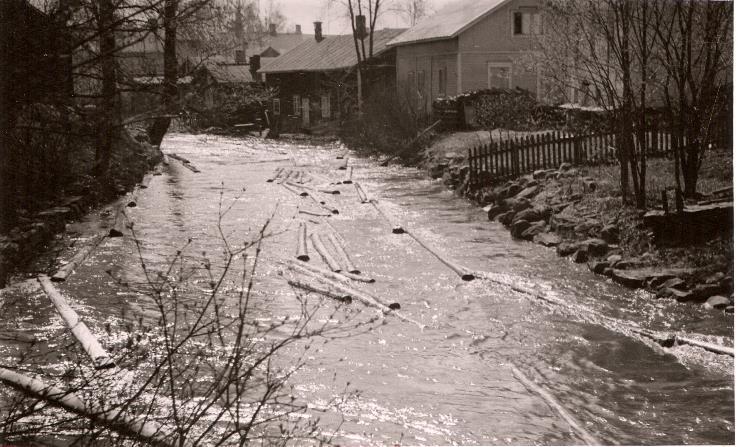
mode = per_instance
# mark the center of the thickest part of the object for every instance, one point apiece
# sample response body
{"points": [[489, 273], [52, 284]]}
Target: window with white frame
{"points": [[296, 105], [325, 106], [499, 75], [526, 22]]}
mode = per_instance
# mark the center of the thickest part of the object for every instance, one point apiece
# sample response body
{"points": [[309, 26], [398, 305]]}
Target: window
{"points": [[499, 75], [296, 110], [276, 107], [526, 23], [421, 82], [442, 81]]}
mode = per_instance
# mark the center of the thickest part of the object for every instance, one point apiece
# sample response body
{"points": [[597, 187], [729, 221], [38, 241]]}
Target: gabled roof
{"points": [[332, 53], [449, 22]]}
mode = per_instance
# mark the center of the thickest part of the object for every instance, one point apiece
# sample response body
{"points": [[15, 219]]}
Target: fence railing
{"points": [[516, 156]]}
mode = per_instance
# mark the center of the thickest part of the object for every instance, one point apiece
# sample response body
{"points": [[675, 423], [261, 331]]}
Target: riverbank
{"points": [[578, 212], [132, 159]]}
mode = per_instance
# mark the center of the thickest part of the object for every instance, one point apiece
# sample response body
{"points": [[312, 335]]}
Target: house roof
{"points": [[282, 43], [230, 74], [448, 22], [332, 53]]}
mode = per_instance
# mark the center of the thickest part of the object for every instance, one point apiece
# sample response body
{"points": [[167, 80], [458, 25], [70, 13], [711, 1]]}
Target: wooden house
{"points": [[317, 80], [469, 45]]}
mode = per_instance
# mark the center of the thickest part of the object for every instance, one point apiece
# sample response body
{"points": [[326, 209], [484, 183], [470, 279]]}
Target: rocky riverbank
{"points": [[576, 212], [34, 232]]}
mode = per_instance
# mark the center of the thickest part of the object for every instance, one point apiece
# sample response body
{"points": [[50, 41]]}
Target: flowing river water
{"points": [[452, 381]]}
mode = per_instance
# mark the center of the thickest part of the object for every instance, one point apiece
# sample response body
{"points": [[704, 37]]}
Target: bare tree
{"points": [[412, 11]]}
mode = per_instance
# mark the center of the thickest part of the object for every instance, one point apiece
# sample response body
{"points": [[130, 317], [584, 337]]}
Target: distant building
{"points": [[317, 79], [470, 45]]}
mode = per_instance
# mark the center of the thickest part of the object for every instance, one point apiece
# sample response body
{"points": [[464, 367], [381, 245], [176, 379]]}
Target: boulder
{"points": [[668, 283], [679, 295], [494, 211], [596, 247], [530, 214], [614, 259], [544, 211], [641, 277], [564, 167], [589, 184], [528, 193], [513, 190], [729, 309], [547, 239], [610, 234], [628, 264], [506, 218], [608, 272], [541, 173], [581, 256], [566, 249], [633, 279], [534, 229], [598, 267], [715, 278], [517, 228], [716, 302], [703, 291]]}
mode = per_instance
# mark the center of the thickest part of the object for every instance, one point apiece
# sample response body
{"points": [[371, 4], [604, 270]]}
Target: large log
{"points": [[343, 276], [64, 272], [556, 406], [464, 273], [324, 253], [342, 255], [100, 358], [344, 298], [396, 226], [185, 163], [347, 180], [361, 193], [276, 175], [369, 300], [302, 250], [149, 432], [717, 349]]}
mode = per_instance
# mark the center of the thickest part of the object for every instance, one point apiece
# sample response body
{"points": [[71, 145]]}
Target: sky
{"points": [[305, 12]]}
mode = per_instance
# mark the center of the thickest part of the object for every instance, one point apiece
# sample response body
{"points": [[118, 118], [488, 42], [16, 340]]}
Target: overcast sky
{"points": [[305, 12]]}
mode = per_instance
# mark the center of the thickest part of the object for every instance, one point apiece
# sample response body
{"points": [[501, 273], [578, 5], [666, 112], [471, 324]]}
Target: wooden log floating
{"points": [[347, 180], [294, 191], [100, 358], [302, 250], [324, 253], [114, 419], [334, 192], [552, 402], [64, 272], [276, 175], [365, 298], [314, 213], [285, 176], [343, 276], [361, 193], [717, 349], [343, 165], [344, 298], [464, 273], [396, 227], [342, 255], [185, 162]]}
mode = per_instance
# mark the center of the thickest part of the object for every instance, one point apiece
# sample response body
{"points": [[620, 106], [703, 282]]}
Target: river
{"points": [[452, 381]]}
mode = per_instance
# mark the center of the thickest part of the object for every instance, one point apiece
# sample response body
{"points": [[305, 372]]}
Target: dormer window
{"points": [[526, 22]]}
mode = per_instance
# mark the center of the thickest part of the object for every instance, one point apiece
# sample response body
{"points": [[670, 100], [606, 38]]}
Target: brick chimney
{"points": [[272, 29], [254, 66], [318, 31], [240, 57], [361, 27], [298, 29]]}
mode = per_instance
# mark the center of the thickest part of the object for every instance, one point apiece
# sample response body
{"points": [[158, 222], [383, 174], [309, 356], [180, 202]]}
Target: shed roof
{"points": [[332, 53], [448, 22]]}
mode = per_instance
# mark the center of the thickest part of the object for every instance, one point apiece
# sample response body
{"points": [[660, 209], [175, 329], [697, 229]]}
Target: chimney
{"points": [[361, 27], [240, 57], [298, 29], [272, 29], [318, 31]]}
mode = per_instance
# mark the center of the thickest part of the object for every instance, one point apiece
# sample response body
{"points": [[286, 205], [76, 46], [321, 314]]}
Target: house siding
{"points": [[467, 57]]}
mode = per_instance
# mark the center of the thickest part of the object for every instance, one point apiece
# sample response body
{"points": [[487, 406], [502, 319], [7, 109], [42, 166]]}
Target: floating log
{"points": [[301, 177], [342, 255], [464, 273], [324, 253], [276, 175], [185, 162], [313, 213], [345, 298], [100, 358], [334, 192], [365, 298], [396, 227], [114, 419], [64, 272], [349, 173], [302, 253], [362, 194], [717, 349], [343, 165], [343, 276], [285, 176], [293, 190], [556, 406]]}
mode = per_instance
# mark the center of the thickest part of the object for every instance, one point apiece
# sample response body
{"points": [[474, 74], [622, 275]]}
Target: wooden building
{"points": [[471, 45], [317, 80]]}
